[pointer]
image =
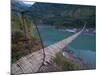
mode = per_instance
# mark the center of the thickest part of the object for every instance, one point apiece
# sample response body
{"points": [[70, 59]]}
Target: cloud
{"points": [[29, 3]]}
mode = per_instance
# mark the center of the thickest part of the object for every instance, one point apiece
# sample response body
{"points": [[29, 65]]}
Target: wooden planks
{"points": [[32, 62]]}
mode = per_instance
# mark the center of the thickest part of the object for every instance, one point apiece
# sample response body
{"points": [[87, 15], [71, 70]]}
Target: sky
{"points": [[83, 2], [29, 2]]}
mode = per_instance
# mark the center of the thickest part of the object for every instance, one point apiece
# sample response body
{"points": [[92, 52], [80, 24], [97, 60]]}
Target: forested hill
{"points": [[63, 14]]}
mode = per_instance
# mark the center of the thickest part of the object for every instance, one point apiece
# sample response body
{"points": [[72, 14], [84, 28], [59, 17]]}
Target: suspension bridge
{"points": [[32, 62]]}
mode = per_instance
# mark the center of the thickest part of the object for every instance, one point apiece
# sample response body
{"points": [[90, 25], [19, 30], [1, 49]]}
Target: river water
{"points": [[84, 46]]}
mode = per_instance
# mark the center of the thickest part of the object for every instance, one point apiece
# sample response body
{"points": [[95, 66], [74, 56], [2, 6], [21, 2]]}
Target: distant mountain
{"points": [[18, 6], [63, 14], [58, 14]]}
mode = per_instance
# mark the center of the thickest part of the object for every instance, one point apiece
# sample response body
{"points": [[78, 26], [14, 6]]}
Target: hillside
{"points": [[23, 39], [63, 14]]}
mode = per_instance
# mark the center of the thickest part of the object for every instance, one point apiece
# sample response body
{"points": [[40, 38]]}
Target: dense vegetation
{"points": [[63, 14], [64, 64], [24, 41]]}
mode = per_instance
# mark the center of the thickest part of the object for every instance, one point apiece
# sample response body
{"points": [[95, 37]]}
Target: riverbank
{"points": [[83, 62], [69, 54], [87, 31]]}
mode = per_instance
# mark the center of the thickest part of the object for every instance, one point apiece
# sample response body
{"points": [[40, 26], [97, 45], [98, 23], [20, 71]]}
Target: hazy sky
{"points": [[29, 2], [84, 2]]}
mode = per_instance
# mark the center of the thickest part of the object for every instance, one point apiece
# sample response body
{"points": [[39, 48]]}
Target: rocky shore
{"points": [[88, 31]]}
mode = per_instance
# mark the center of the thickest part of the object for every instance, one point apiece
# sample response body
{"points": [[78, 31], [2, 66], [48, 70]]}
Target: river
{"points": [[84, 46]]}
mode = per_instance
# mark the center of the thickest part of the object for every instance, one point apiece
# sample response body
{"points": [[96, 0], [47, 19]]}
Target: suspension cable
{"points": [[44, 55]]}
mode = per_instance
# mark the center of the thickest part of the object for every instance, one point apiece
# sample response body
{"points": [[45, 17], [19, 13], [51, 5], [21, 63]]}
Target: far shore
{"points": [[87, 31]]}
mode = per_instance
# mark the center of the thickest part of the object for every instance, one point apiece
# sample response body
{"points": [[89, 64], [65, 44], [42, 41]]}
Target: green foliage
{"points": [[17, 36], [65, 64], [20, 44], [16, 23], [64, 15]]}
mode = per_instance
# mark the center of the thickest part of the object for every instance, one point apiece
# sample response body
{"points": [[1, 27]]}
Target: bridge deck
{"points": [[32, 62]]}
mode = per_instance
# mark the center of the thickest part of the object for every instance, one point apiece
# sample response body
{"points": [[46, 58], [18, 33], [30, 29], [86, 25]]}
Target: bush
{"points": [[65, 64]]}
